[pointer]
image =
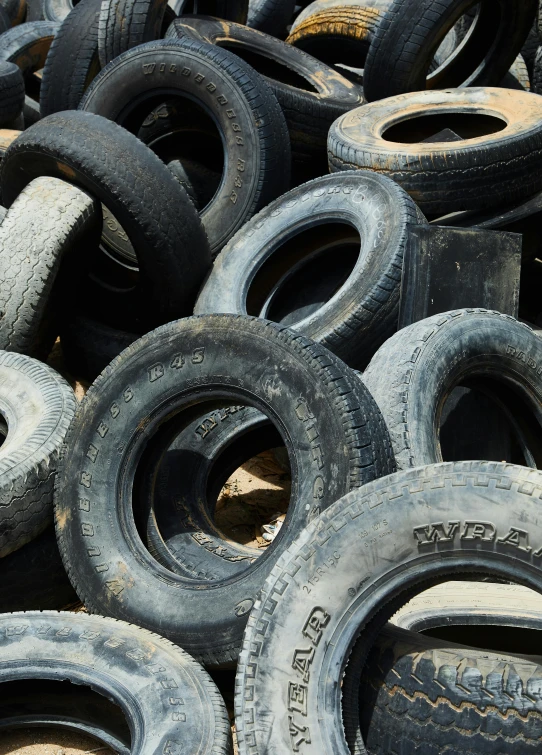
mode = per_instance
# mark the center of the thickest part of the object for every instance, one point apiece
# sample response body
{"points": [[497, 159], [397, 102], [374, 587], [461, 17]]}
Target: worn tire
{"points": [[263, 272], [89, 346], [473, 173], [270, 16], [49, 220], [5, 22], [373, 546], [33, 578], [168, 239], [15, 11], [37, 406], [252, 127], [27, 45], [434, 696], [537, 73], [143, 674], [231, 10], [288, 377], [410, 32], [471, 347], [311, 95], [11, 93], [72, 62], [128, 23]]}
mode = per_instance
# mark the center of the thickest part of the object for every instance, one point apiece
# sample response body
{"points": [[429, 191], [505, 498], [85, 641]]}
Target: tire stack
{"points": [[240, 509]]}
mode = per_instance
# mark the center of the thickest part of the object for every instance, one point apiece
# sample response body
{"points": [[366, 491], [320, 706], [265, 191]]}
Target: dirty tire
{"points": [[473, 173], [34, 578], [15, 11], [118, 660], [410, 32], [537, 73], [310, 94], [27, 45], [270, 16], [57, 10], [517, 77], [421, 694], [338, 32], [11, 93], [357, 309], [128, 23], [73, 61], [5, 22], [169, 240], [49, 220], [372, 547], [290, 378], [89, 346], [255, 139], [37, 407], [474, 348]]}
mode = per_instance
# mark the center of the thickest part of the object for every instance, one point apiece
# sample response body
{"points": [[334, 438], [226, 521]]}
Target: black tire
{"points": [[311, 95], [37, 407], [5, 22], [537, 73], [396, 535], [159, 699], [529, 49], [517, 77], [231, 10], [73, 61], [39, 275], [240, 103], [168, 238], [412, 684], [290, 379], [128, 23], [410, 32], [350, 302], [475, 348], [27, 45], [11, 93], [338, 31], [15, 11], [497, 159], [89, 346], [270, 16], [57, 10], [33, 578]]}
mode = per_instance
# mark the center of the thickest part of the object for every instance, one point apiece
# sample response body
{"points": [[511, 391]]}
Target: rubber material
{"points": [[5, 21], [475, 348], [329, 423], [232, 10], [478, 171], [49, 223], [168, 238], [169, 702], [275, 265], [11, 93], [27, 45], [15, 11], [128, 23], [405, 532], [410, 32], [270, 16], [89, 346], [254, 137]]}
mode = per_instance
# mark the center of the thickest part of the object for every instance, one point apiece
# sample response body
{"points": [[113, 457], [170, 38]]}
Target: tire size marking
{"points": [[473, 531], [297, 690], [320, 571]]}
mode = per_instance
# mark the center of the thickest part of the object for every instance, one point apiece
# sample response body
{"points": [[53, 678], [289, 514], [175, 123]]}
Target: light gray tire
{"points": [[48, 220], [37, 406]]}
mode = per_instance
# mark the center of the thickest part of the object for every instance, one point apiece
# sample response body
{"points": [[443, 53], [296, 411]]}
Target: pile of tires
{"points": [[244, 508]]}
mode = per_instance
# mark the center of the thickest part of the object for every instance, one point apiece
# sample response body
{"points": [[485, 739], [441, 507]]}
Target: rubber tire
{"points": [[5, 22], [468, 603], [537, 73], [38, 272], [128, 23], [517, 77], [231, 10], [245, 359], [169, 240], [37, 405], [373, 546], [411, 30], [15, 11], [271, 16], [73, 61], [309, 111], [337, 31], [412, 684], [33, 578], [352, 323], [459, 345], [11, 93], [447, 177], [27, 45], [118, 660], [89, 346], [261, 163], [57, 10]]}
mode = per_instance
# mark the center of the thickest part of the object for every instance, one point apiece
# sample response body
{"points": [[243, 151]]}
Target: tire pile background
{"points": [[204, 214]]}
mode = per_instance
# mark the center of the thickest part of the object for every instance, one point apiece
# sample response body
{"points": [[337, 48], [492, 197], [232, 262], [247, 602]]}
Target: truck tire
{"points": [[11, 93]]}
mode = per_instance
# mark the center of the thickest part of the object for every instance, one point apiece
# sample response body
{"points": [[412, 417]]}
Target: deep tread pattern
{"points": [[270, 16], [11, 93], [127, 23], [27, 45], [72, 62], [46, 221], [536, 85], [27, 468]]}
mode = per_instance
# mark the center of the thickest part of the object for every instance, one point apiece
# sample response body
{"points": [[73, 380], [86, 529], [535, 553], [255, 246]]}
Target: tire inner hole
{"points": [[304, 273], [486, 419], [426, 127], [502, 639], [68, 714]]}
